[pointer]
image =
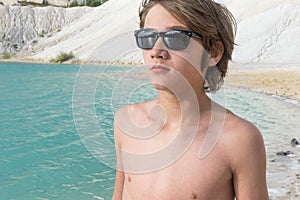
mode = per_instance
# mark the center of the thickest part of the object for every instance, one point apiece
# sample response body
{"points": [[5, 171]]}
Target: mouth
{"points": [[159, 68]]}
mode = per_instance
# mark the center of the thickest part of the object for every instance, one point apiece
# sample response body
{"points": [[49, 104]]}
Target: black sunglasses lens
{"points": [[173, 39], [146, 39], [176, 40]]}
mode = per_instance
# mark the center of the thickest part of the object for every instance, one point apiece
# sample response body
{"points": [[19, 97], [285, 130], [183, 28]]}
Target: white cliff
{"points": [[22, 25], [268, 31], [104, 34], [61, 3]]}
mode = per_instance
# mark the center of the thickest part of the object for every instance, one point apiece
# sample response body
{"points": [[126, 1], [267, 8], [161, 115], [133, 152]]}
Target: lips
{"points": [[159, 68]]}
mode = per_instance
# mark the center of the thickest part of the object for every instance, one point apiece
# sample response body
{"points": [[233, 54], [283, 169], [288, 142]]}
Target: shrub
{"points": [[42, 34], [74, 3], [5, 55], [62, 57], [91, 3]]}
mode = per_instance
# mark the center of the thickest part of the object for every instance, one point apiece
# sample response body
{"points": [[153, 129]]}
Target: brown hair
{"points": [[212, 20]]}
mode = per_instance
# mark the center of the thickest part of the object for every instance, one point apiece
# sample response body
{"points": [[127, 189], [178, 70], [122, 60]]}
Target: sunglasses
{"points": [[173, 39]]}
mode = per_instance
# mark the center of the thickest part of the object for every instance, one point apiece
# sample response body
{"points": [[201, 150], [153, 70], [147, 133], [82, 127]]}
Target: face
{"points": [[168, 67]]}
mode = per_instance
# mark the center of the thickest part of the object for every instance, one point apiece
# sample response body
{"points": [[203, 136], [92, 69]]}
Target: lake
{"points": [[56, 131]]}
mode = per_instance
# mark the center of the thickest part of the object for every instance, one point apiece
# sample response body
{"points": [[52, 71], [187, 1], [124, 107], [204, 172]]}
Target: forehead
{"points": [[160, 19]]}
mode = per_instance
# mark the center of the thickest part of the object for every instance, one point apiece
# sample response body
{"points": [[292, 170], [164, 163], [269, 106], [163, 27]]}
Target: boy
{"points": [[183, 145]]}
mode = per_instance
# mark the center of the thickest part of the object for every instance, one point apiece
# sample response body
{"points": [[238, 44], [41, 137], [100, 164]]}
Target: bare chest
{"points": [[186, 178]]}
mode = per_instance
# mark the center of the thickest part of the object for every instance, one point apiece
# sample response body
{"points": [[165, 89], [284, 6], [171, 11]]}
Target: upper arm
{"points": [[249, 164], [118, 185], [119, 182]]}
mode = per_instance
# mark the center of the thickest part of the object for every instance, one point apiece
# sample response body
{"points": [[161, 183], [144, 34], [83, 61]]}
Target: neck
{"points": [[183, 108]]}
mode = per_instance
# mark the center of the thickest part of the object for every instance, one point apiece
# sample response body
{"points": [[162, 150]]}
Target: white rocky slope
{"points": [[60, 3], [267, 33], [24, 26], [101, 35]]}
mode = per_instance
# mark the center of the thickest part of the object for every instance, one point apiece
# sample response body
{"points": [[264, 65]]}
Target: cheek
{"points": [[190, 62], [192, 70], [194, 56]]}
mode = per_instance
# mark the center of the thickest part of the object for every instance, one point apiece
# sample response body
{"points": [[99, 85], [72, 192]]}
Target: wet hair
{"points": [[212, 20]]}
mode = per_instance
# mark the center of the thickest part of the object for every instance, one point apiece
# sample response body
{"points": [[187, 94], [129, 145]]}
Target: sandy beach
{"points": [[281, 81]]}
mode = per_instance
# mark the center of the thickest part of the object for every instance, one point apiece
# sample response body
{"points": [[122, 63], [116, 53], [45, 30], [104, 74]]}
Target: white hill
{"points": [[268, 33]]}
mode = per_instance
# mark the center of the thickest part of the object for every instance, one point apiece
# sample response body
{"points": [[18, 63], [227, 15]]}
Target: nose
{"points": [[159, 51]]}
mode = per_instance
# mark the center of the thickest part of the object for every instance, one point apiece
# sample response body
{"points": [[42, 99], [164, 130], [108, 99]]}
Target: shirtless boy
{"points": [[183, 145]]}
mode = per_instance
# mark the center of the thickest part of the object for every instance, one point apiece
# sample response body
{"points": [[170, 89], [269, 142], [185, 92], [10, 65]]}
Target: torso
{"points": [[188, 177]]}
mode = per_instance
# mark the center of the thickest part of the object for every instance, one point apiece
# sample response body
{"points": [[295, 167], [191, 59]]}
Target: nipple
{"points": [[193, 196]]}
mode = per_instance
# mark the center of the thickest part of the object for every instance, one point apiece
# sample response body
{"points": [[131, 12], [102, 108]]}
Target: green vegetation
{"points": [[45, 3], [24, 3], [5, 55], [91, 3], [42, 34], [75, 4], [62, 57]]}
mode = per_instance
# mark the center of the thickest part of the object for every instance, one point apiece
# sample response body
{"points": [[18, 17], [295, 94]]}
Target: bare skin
{"points": [[234, 167]]}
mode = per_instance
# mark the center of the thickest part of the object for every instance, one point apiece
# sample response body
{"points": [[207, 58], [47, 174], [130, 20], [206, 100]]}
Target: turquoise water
{"points": [[41, 154], [46, 153]]}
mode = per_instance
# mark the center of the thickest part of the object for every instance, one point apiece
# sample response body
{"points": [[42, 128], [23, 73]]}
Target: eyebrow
{"points": [[178, 27]]}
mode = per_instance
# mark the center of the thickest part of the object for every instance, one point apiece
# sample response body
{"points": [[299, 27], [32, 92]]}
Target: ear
{"points": [[216, 54]]}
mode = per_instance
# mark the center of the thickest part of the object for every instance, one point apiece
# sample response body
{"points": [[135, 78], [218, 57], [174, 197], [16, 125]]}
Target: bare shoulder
{"points": [[131, 116], [244, 141], [239, 129], [137, 113], [246, 153]]}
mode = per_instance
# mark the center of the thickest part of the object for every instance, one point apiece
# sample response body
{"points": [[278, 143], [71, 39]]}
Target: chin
{"points": [[159, 86]]}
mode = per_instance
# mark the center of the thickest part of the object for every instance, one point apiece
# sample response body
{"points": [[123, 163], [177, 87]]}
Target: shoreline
{"points": [[278, 81], [282, 81], [73, 62]]}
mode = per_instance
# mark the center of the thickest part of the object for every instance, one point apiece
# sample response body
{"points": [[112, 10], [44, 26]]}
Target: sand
{"points": [[281, 81]]}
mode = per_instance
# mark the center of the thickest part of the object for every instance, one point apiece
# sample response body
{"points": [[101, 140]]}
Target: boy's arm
{"points": [[118, 185], [118, 190], [249, 164]]}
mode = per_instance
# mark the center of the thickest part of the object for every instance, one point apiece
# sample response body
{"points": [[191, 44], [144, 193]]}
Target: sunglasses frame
{"points": [[162, 35]]}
